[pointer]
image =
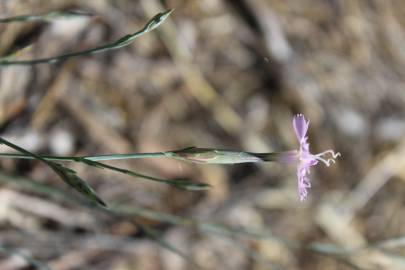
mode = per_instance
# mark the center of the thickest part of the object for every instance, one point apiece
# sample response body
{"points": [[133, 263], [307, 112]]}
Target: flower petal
{"points": [[303, 184], [300, 126]]}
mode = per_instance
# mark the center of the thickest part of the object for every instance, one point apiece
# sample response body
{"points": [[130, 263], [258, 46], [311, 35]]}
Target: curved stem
{"points": [[121, 42]]}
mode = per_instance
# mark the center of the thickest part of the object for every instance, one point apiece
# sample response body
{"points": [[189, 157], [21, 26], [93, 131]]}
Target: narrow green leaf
{"points": [[46, 16], [178, 183], [70, 177], [67, 175], [121, 42]]}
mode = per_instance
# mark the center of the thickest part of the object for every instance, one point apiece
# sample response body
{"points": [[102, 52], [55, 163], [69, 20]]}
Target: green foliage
{"points": [[121, 42], [69, 176], [45, 16]]}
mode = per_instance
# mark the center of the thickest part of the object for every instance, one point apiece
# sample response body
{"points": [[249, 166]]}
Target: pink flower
{"points": [[304, 158]]}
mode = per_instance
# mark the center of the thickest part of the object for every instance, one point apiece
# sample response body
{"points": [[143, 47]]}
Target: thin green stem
{"points": [[178, 183], [121, 42], [45, 16], [71, 178], [67, 175], [94, 161], [167, 154], [26, 153], [191, 154], [92, 158]]}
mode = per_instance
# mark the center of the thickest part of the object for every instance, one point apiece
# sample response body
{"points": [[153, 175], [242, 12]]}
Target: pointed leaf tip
{"points": [[70, 177], [157, 20]]}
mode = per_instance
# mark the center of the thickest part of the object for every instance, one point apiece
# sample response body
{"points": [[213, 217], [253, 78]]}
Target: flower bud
{"points": [[215, 156]]}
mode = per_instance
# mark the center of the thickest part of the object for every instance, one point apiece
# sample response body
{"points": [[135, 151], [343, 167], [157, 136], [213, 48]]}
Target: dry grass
{"points": [[226, 74]]}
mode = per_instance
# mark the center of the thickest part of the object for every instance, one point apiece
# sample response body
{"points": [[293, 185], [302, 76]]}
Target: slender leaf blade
{"points": [[46, 16], [178, 183], [153, 23], [69, 176]]}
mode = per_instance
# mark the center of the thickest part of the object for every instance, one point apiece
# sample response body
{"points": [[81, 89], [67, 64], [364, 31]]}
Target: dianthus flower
{"points": [[304, 158], [301, 157]]}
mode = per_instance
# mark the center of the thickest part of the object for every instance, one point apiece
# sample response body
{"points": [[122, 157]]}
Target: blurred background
{"points": [[220, 74]]}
